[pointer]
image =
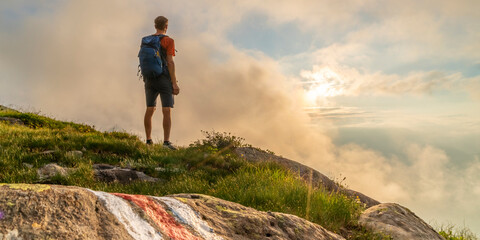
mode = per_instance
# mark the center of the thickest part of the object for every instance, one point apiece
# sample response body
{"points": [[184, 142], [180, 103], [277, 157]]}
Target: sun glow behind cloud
{"points": [[321, 84]]}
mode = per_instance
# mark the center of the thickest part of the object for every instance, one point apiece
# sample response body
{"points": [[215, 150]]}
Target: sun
{"points": [[322, 83]]}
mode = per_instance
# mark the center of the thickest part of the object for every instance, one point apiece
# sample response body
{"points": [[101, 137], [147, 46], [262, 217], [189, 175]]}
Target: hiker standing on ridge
{"points": [[164, 84]]}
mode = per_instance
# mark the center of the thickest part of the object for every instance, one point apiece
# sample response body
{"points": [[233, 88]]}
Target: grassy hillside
{"points": [[207, 166]]}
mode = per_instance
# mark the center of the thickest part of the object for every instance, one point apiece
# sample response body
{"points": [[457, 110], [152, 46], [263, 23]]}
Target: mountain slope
{"points": [[36, 149]]}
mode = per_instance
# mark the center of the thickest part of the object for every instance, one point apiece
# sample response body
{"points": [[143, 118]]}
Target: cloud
{"points": [[75, 62], [424, 179], [83, 68], [330, 80], [473, 86]]}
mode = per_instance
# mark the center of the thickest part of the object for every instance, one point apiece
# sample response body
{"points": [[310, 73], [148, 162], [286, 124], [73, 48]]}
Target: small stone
{"points": [[28, 165], [109, 173], [173, 170], [84, 149], [51, 170], [144, 177], [48, 152], [102, 166], [77, 154]]}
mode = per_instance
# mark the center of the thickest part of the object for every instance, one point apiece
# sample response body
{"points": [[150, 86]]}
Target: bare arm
{"points": [[173, 77]]}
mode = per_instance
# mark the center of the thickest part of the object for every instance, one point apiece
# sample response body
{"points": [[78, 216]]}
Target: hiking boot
{"points": [[149, 142], [168, 144]]}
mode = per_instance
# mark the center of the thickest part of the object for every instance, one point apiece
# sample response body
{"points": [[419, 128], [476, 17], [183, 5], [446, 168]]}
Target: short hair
{"points": [[160, 22]]}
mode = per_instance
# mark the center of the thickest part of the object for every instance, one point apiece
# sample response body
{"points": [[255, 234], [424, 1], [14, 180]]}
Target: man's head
{"points": [[161, 23]]}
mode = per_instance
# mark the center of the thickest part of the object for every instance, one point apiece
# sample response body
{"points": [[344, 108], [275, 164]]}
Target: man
{"points": [[165, 85]]}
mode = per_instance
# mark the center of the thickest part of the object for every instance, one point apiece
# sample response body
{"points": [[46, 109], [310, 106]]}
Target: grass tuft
{"points": [[451, 232]]}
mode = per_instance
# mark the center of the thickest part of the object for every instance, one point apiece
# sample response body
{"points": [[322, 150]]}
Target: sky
{"points": [[385, 94]]}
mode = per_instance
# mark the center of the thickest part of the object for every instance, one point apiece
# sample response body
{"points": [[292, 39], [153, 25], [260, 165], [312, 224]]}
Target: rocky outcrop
{"points": [[250, 223], [307, 173], [61, 212], [11, 120], [109, 173], [398, 222], [102, 172]]}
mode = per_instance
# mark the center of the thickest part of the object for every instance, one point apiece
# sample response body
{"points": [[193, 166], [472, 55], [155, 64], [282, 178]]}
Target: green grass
{"points": [[207, 166], [450, 232], [36, 121]]}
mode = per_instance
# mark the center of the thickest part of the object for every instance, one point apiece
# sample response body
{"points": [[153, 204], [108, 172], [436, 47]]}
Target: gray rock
{"points": [[48, 152], [51, 170], [398, 222], [11, 121], [28, 165], [109, 173], [56, 212], [77, 154], [102, 166], [161, 169], [234, 221]]}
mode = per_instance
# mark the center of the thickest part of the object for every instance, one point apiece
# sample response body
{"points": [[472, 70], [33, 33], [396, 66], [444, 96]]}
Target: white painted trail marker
{"points": [[137, 227], [187, 215]]}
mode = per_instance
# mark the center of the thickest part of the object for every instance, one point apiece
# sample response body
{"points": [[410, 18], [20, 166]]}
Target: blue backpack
{"points": [[152, 57]]}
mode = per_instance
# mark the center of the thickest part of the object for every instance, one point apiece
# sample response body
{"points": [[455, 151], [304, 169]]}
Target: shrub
{"points": [[218, 140]]}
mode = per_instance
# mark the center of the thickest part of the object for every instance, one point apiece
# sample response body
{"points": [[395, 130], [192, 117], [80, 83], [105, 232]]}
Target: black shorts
{"points": [[159, 85]]}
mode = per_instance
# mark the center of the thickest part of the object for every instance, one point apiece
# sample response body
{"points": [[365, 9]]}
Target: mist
{"points": [[77, 61]]}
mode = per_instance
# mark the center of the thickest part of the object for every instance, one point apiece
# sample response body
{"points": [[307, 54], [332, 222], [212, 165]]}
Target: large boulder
{"points": [[309, 174], [62, 212], [398, 222]]}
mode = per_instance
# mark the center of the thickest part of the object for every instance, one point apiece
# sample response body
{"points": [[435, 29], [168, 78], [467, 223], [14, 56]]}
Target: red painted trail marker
{"points": [[156, 212]]}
